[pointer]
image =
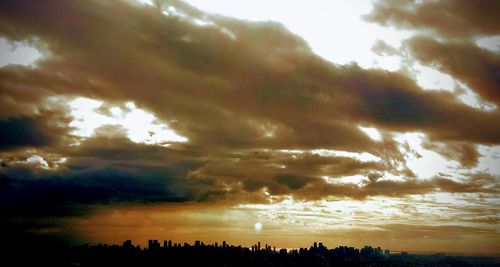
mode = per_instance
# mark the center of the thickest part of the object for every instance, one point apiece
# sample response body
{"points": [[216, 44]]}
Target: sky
{"points": [[285, 122]]}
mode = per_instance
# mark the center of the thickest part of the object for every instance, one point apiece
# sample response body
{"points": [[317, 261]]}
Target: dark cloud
{"points": [[475, 67], [38, 131], [102, 171], [106, 171], [75, 192], [396, 103], [462, 19], [38, 195]]}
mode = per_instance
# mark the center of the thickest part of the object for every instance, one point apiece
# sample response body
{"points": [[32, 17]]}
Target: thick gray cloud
{"points": [[27, 131]]}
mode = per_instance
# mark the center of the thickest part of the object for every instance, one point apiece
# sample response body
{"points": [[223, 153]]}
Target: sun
{"points": [[258, 226]]}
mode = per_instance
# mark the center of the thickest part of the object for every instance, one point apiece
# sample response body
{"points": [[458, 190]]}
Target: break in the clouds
{"points": [[258, 117]]}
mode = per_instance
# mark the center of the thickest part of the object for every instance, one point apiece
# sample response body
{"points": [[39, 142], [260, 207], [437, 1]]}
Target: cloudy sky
{"points": [[285, 122]]}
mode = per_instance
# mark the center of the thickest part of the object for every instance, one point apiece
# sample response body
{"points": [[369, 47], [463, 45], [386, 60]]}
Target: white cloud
{"points": [[19, 53]]}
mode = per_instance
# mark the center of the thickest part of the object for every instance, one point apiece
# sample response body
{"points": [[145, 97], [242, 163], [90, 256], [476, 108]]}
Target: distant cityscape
{"points": [[169, 253]]}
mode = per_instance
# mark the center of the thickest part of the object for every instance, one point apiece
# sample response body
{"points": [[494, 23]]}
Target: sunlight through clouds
{"points": [[141, 126], [373, 133], [425, 163]]}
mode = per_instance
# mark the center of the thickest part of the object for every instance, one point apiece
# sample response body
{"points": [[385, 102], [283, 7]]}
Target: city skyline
{"points": [[225, 254], [286, 122]]}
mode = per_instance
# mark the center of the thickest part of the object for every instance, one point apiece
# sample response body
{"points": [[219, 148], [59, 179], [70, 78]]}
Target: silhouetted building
{"points": [[128, 244], [153, 244]]}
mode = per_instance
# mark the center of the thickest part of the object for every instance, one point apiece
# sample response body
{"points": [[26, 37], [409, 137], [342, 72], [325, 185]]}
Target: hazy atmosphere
{"points": [[286, 122]]}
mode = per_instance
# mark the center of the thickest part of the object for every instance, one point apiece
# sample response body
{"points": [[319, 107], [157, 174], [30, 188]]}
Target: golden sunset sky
{"points": [[285, 122]]}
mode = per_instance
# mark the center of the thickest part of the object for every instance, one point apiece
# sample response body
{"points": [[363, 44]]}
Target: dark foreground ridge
{"points": [[199, 254]]}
